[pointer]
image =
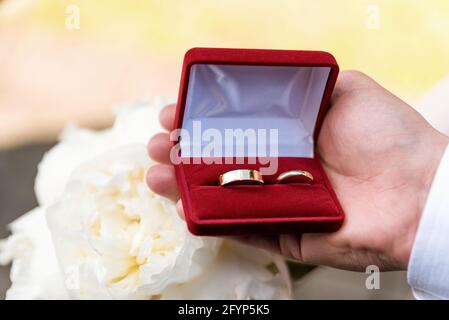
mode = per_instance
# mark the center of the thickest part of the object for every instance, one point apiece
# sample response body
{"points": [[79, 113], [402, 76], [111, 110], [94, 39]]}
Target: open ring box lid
{"points": [[240, 89]]}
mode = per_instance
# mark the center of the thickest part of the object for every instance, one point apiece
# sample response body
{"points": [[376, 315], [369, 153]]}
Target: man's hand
{"points": [[380, 156]]}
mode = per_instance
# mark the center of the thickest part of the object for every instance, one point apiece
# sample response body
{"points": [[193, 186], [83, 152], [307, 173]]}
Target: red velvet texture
{"points": [[211, 209], [268, 208], [211, 201]]}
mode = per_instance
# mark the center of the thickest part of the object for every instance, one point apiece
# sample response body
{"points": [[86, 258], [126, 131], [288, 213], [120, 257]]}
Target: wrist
{"points": [[436, 150], [432, 151]]}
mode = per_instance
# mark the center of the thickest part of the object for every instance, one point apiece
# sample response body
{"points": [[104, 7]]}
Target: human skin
{"points": [[380, 156]]}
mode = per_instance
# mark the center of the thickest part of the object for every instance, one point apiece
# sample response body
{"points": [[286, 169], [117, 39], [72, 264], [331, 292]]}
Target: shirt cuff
{"points": [[428, 268]]}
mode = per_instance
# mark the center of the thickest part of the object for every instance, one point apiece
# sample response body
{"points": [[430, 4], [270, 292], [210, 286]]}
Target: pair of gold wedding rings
{"points": [[251, 177]]}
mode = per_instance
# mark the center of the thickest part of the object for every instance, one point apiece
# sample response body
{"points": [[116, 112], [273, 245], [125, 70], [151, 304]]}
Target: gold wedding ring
{"points": [[293, 176], [240, 177]]}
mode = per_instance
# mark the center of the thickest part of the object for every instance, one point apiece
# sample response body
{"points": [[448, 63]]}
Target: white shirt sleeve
{"points": [[428, 268]]}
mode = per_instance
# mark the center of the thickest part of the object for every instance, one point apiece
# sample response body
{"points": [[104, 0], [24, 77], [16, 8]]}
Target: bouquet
{"points": [[100, 233]]}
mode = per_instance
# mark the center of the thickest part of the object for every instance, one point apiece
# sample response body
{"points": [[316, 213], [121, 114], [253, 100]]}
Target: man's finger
{"points": [[290, 246], [318, 248], [167, 116], [161, 179], [159, 148]]}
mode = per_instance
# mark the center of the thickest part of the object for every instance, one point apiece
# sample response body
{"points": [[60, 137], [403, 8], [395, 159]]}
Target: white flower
{"points": [[113, 238], [35, 272], [126, 241], [135, 124], [238, 272]]}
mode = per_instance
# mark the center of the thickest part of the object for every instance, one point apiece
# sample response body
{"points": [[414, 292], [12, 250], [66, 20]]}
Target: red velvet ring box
{"points": [[255, 89]]}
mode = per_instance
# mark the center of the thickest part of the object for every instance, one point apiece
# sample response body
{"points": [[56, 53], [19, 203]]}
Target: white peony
{"points": [[135, 123], [109, 236], [34, 273]]}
